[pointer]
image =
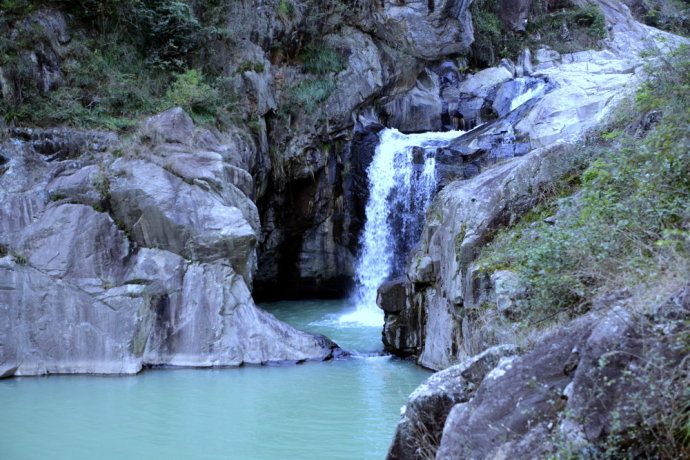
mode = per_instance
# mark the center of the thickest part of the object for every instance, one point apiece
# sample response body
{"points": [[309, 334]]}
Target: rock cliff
{"points": [[607, 381], [540, 122], [123, 250], [114, 264], [605, 384]]}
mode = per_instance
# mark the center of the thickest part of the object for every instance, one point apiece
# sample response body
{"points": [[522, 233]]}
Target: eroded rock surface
{"points": [[600, 376], [109, 268], [418, 434]]}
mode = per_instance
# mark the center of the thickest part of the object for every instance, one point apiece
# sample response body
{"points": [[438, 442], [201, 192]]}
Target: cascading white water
{"points": [[402, 181]]}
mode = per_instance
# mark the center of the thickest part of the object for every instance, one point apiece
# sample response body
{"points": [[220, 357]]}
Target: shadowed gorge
{"points": [[493, 191]]}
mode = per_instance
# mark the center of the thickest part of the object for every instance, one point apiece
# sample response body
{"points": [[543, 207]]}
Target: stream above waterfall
{"points": [[341, 409]]}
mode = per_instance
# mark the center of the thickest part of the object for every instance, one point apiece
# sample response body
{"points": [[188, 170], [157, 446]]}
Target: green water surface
{"points": [[343, 409]]}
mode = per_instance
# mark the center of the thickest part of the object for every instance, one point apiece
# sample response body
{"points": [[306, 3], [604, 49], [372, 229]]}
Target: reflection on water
{"points": [[343, 409]]}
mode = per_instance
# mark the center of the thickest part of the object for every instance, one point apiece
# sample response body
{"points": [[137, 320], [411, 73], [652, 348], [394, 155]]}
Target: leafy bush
{"points": [[321, 61], [12, 9], [101, 84], [127, 58], [308, 94], [192, 93], [250, 66], [565, 31], [670, 15], [492, 40], [286, 10], [171, 32], [570, 30]]}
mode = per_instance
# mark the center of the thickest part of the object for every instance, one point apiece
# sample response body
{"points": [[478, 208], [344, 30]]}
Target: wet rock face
{"points": [[420, 109], [391, 296], [311, 226], [312, 210]]}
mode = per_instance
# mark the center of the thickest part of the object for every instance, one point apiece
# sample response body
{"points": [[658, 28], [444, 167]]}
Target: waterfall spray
{"points": [[402, 181]]}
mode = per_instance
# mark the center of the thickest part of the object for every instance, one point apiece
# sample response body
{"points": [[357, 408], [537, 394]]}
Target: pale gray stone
{"points": [[163, 211], [173, 126]]}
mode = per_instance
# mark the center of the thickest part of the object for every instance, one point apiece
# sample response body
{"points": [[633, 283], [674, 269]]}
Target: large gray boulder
{"points": [[53, 318], [418, 435], [212, 321], [88, 284], [77, 298], [161, 210], [599, 384], [79, 184], [585, 84], [50, 325], [74, 242]]}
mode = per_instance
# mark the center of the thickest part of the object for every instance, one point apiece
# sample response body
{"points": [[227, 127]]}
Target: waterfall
{"points": [[402, 181]]}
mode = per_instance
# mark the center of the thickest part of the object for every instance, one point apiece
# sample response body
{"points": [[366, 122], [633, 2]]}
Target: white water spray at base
{"points": [[400, 189]]}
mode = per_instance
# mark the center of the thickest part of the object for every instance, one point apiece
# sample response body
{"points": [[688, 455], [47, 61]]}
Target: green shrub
{"points": [[286, 10], [172, 31], [585, 26], [321, 61], [127, 59], [11, 10], [492, 40], [250, 66], [308, 94], [669, 15], [190, 92]]}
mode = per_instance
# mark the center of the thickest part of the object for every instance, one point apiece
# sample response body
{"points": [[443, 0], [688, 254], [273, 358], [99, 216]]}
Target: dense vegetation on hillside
{"points": [[622, 221], [584, 28], [126, 59], [566, 30]]}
